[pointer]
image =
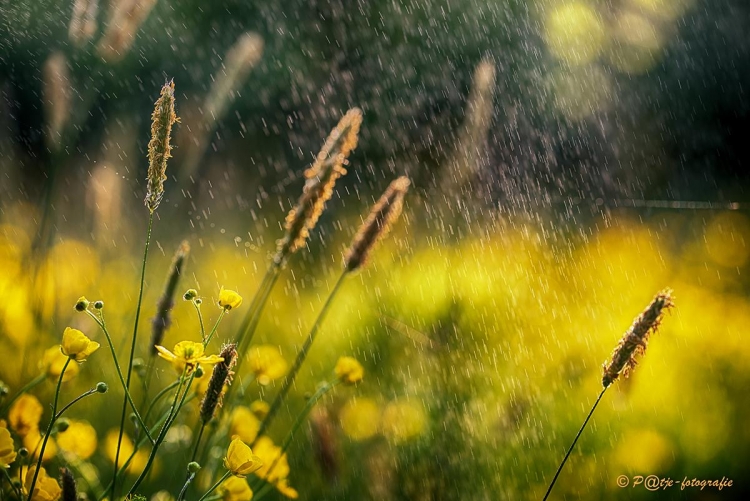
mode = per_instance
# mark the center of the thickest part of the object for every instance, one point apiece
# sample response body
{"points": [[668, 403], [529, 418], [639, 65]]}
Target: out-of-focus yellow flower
{"points": [[79, 439], [359, 418], [53, 362], [574, 32], [266, 363], [235, 489], [76, 345], [271, 456], [162, 496], [46, 487], [25, 414], [33, 442], [403, 420], [285, 490], [349, 370], [187, 354], [260, 409], [244, 424], [126, 449], [229, 299], [240, 459], [7, 451]]}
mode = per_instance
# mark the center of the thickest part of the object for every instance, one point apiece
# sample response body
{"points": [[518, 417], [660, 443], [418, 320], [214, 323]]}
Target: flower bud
{"points": [[99, 305], [82, 304], [62, 424], [190, 294], [101, 387], [193, 467]]}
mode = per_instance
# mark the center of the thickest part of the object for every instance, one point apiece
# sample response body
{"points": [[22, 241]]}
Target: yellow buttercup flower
{"points": [[240, 459], [76, 345], [187, 354], [229, 299], [236, 489], [7, 452], [243, 424], [349, 371], [33, 442], [266, 363], [78, 439], [126, 449], [46, 487], [271, 455], [53, 362], [285, 490], [25, 414]]}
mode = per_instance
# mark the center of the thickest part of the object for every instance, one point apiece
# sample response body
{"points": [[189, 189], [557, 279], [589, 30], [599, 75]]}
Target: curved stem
{"points": [[49, 428], [200, 321], [72, 402], [289, 379], [213, 330], [16, 489], [158, 397], [128, 397], [570, 449], [184, 489], [132, 353], [300, 419], [163, 433], [217, 484], [31, 384]]}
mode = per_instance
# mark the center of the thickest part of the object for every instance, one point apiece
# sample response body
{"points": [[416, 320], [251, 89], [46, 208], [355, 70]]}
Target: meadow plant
{"points": [[253, 465]]}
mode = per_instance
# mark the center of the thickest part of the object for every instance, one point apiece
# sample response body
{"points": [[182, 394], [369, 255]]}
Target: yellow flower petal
{"points": [[229, 299], [236, 489], [46, 487], [53, 362], [240, 459], [349, 370], [7, 452], [25, 414], [76, 345], [79, 439]]}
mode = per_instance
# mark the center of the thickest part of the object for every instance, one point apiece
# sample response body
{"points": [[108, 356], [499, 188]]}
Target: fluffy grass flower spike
{"points": [[160, 148], [623, 358], [186, 356], [76, 345]]}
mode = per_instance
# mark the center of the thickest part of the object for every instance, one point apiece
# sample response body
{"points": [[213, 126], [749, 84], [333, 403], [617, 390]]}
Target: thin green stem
{"points": [[132, 352], [570, 449], [72, 402], [200, 320], [164, 430], [301, 356], [185, 486], [207, 340], [158, 397], [49, 428], [103, 326], [31, 384], [325, 388], [198, 441], [216, 485], [12, 485]]}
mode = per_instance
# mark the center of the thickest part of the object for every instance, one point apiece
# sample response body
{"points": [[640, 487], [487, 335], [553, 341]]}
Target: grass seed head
{"points": [[377, 224], [635, 340], [160, 148]]}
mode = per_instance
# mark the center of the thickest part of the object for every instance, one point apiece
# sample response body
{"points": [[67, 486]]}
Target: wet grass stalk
{"points": [[134, 338], [103, 326], [47, 434], [624, 358], [301, 356]]}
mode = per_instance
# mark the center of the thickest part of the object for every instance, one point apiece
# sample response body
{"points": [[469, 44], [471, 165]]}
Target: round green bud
{"points": [[62, 424], [193, 467], [101, 387], [198, 301], [199, 372], [99, 305], [23, 452], [190, 294], [82, 304]]}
